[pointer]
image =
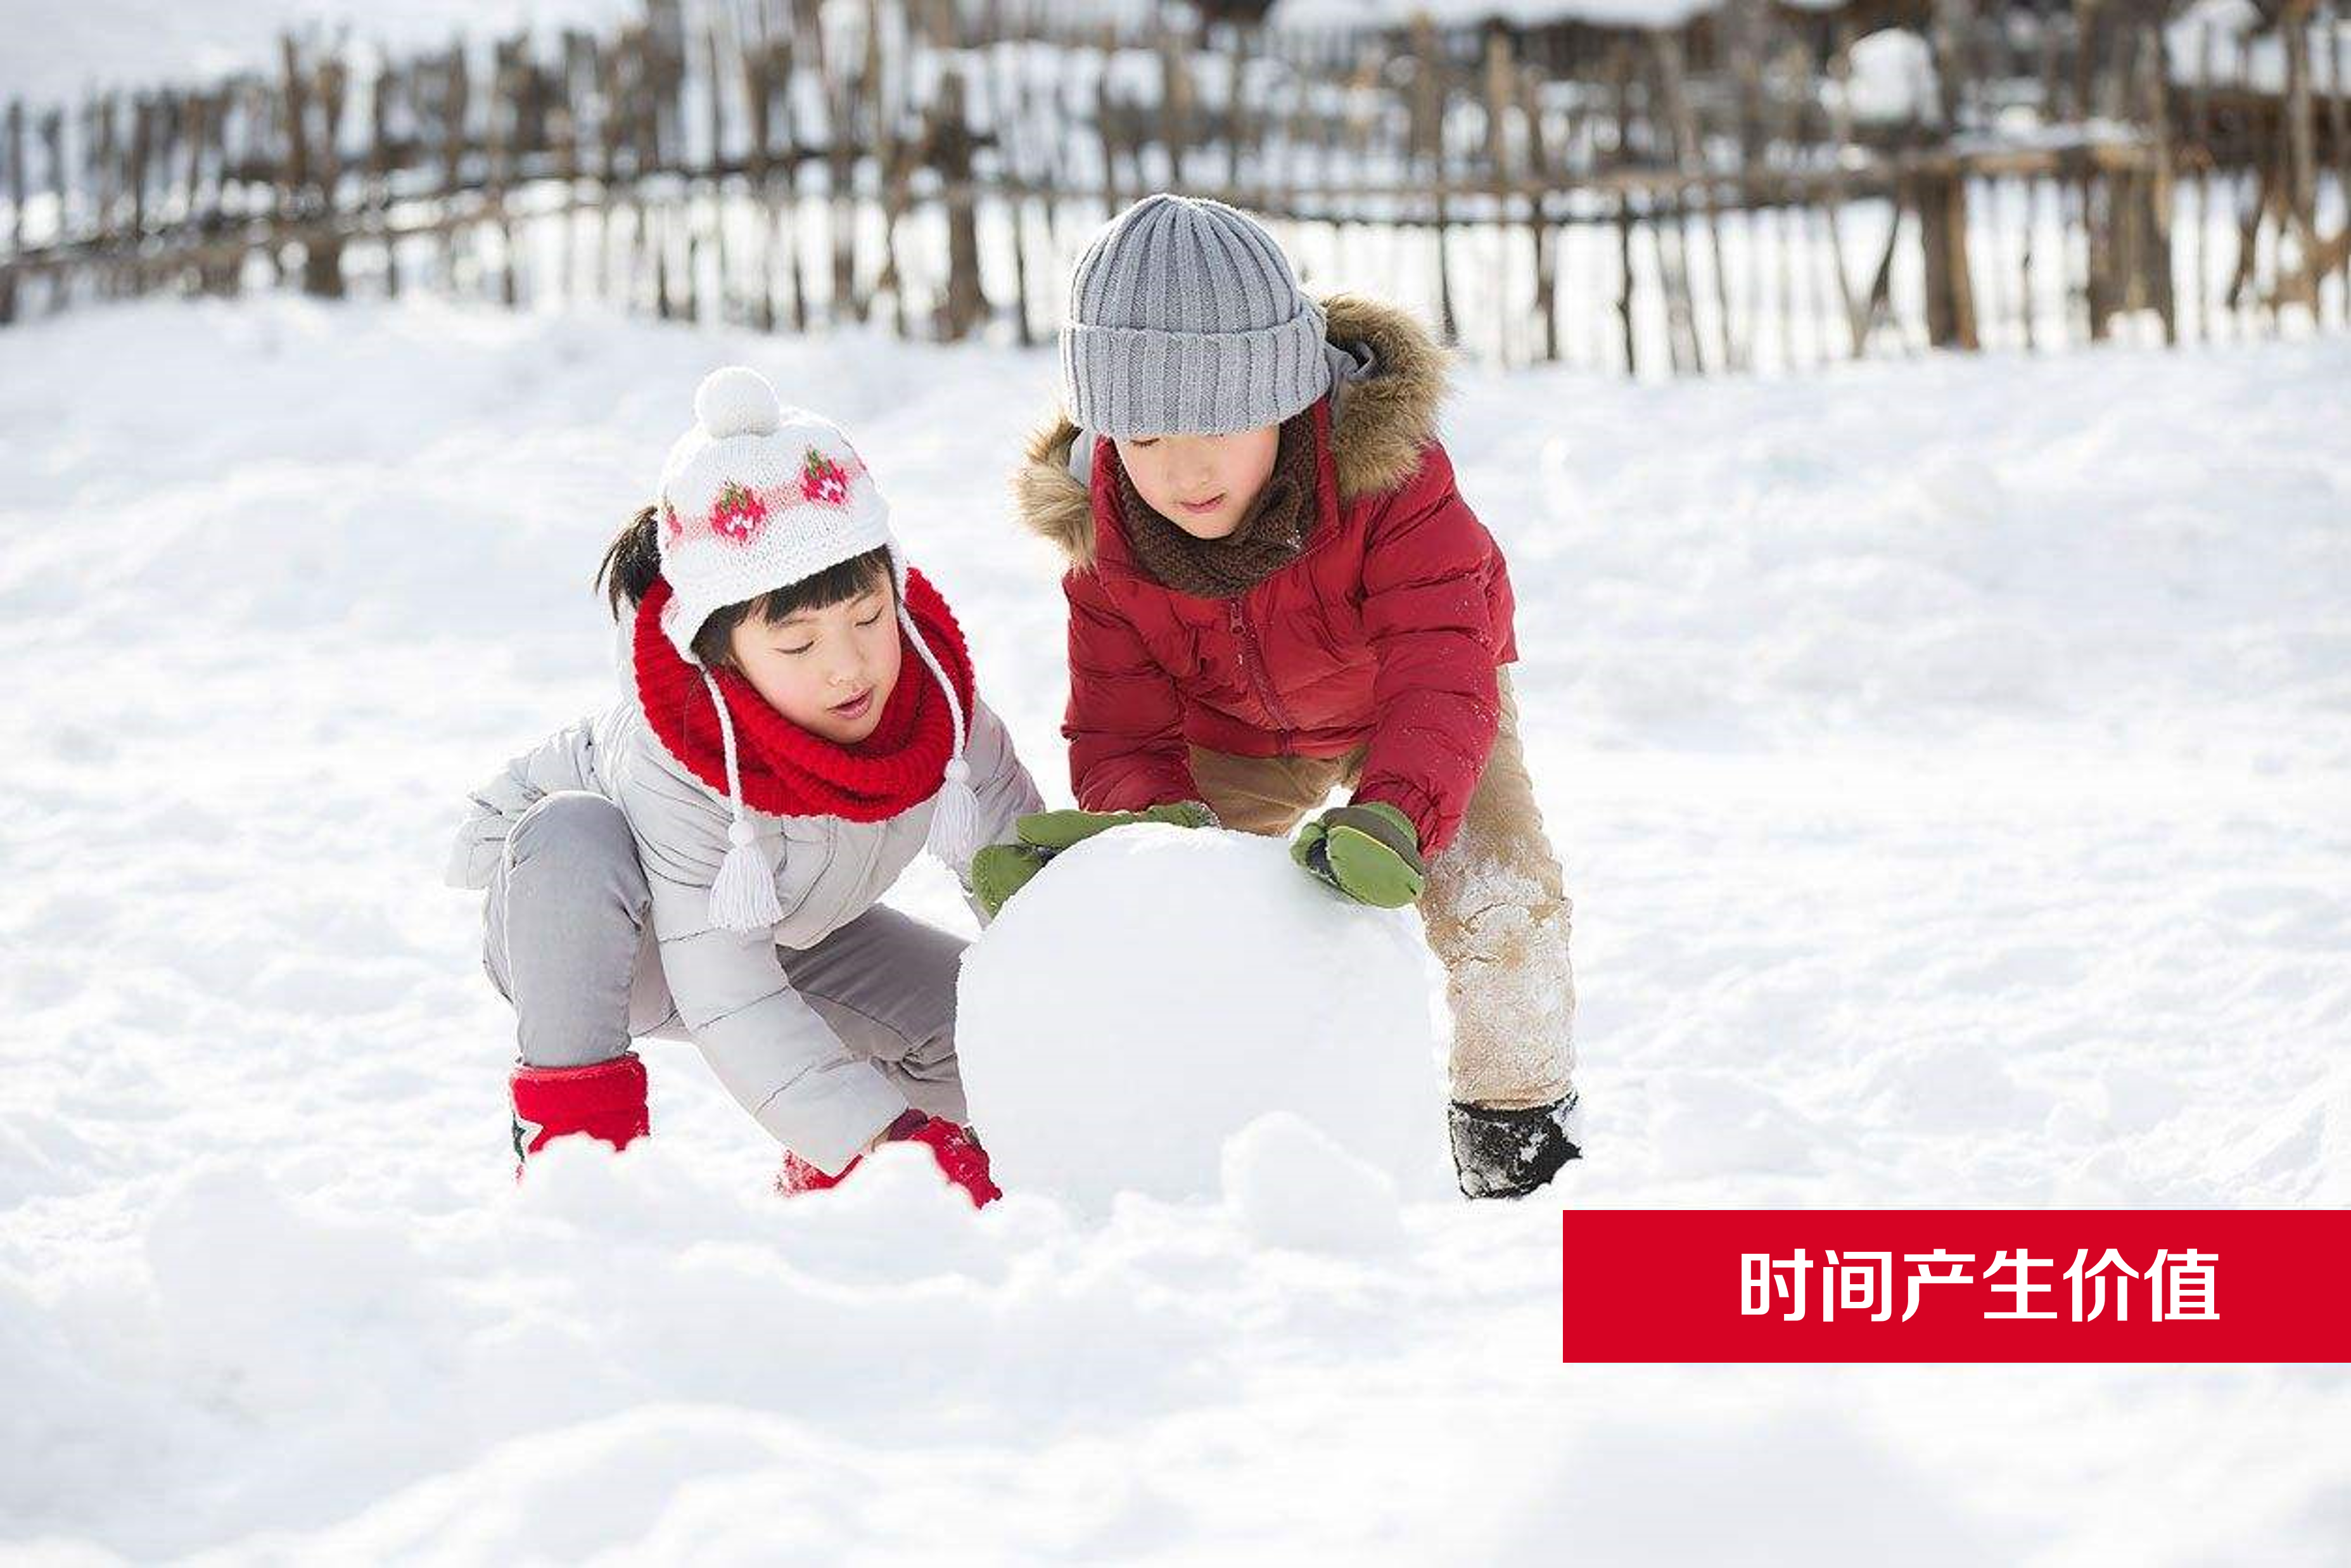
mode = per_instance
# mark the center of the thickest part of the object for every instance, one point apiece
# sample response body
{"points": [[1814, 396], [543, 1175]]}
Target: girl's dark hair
{"points": [[632, 560]]}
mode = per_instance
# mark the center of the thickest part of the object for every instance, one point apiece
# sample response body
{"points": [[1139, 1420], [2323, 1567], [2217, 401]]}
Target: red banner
{"points": [[2022, 1285]]}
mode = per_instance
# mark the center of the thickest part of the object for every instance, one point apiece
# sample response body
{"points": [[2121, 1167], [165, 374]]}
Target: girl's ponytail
{"points": [[631, 562]]}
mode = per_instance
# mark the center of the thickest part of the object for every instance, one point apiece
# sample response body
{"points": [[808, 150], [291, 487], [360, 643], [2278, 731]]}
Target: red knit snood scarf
{"points": [[786, 771]]}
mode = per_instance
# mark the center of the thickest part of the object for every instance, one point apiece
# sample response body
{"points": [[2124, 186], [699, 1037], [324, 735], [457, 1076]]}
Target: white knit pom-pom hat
{"points": [[754, 498]]}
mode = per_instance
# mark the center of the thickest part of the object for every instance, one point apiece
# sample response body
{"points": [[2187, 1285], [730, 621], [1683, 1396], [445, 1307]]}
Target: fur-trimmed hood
{"points": [[1385, 414]]}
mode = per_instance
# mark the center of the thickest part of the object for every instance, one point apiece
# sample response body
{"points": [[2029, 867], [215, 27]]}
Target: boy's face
{"points": [[1202, 484], [828, 669]]}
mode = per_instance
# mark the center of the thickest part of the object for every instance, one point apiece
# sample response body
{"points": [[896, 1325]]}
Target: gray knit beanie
{"points": [[1186, 319]]}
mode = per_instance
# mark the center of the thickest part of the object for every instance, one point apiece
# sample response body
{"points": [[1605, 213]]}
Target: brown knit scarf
{"points": [[1268, 539]]}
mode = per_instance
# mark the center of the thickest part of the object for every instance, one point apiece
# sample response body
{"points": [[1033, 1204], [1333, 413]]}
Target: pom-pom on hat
{"points": [[756, 497]]}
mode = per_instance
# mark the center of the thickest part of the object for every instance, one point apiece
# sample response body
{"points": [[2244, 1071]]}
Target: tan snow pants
{"points": [[1495, 907]]}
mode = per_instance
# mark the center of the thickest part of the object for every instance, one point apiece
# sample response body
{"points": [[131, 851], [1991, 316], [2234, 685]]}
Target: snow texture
{"points": [[1893, 77], [2243, 49], [1157, 989], [1949, 758]]}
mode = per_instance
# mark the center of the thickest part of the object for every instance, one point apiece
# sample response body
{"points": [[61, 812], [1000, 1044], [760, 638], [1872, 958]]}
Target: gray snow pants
{"points": [[567, 938]]}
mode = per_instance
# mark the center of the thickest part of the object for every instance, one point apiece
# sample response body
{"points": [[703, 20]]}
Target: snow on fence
{"points": [[1759, 185]]}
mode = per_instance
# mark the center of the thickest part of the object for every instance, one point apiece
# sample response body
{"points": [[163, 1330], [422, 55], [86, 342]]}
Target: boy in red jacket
{"points": [[1275, 590]]}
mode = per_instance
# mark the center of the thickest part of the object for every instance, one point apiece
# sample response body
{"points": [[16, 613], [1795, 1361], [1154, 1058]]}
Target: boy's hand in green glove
{"points": [[1370, 852], [999, 870]]}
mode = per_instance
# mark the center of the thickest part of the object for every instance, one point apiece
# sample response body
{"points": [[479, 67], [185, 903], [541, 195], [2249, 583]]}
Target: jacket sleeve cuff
{"points": [[469, 863], [828, 1114], [1430, 822]]}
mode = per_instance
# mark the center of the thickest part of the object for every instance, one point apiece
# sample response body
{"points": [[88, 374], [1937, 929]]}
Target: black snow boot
{"points": [[1510, 1154]]}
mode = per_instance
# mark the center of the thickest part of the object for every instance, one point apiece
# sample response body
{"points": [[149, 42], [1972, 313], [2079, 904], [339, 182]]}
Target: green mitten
{"points": [[1370, 852], [1057, 830], [999, 870]]}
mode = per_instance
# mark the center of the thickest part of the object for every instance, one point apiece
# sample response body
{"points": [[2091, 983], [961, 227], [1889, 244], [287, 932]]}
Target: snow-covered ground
{"points": [[1952, 761]]}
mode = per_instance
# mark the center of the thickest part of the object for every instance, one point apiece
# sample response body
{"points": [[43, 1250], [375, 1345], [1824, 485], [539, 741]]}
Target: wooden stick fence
{"points": [[1762, 188]]}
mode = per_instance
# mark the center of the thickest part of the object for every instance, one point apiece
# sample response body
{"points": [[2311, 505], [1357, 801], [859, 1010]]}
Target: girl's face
{"points": [[1202, 484], [828, 669]]}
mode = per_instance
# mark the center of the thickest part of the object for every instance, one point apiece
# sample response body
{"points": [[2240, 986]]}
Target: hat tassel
{"points": [[954, 819], [955, 812], [743, 896]]}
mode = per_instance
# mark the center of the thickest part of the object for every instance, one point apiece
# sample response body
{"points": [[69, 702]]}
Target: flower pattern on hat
{"points": [[742, 513], [822, 480], [739, 515]]}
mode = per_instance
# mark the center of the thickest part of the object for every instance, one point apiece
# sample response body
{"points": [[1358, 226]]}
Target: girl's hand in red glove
{"points": [[956, 1152], [960, 1158]]}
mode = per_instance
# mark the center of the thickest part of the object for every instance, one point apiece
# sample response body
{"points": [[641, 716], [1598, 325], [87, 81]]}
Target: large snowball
{"points": [[1157, 989]]}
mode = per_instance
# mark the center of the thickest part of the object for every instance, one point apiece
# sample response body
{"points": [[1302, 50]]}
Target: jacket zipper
{"points": [[1251, 662]]}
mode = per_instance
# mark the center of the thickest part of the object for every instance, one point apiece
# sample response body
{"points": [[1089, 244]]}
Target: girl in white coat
{"points": [[705, 858]]}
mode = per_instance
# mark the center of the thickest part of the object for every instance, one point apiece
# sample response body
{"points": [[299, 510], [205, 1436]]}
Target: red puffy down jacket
{"points": [[1386, 630]]}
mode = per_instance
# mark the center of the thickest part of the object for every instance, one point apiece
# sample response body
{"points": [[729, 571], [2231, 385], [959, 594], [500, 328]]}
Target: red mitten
{"points": [[955, 1151], [798, 1175], [960, 1158], [605, 1101]]}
